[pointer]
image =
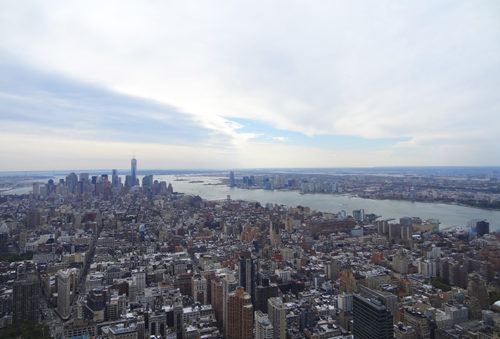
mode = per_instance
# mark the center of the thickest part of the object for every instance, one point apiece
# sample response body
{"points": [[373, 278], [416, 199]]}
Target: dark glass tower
{"points": [[247, 275], [232, 181], [482, 228], [133, 170], [115, 179], [371, 319]]}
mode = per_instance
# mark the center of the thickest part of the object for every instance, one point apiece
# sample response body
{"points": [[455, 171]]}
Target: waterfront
{"points": [[449, 215], [209, 187]]}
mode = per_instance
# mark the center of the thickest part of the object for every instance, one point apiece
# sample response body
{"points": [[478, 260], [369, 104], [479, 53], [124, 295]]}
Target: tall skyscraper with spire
{"points": [[133, 170]]}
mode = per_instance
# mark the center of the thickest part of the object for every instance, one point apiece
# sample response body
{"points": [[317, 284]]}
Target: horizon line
{"points": [[256, 168]]}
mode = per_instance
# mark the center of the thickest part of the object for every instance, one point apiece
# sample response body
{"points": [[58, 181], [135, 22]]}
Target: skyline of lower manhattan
{"points": [[241, 170], [238, 86], [464, 190]]}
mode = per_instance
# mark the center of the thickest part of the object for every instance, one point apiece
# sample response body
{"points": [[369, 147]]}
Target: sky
{"points": [[238, 84]]}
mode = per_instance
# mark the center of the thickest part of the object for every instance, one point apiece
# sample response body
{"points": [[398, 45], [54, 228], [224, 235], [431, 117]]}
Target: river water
{"points": [[211, 189], [448, 215]]}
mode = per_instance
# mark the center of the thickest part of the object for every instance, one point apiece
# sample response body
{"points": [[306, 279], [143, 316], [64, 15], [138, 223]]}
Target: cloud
{"points": [[40, 103], [51, 152], [422, 74], [282, 139]]}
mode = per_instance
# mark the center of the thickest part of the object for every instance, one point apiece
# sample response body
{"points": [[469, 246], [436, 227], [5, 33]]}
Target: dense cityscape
{"points": [[95, 257]]}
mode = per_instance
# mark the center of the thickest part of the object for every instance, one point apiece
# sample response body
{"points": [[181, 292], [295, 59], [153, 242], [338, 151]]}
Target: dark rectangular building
{"points": [[482, 228], [26, 299], [371, 319]]}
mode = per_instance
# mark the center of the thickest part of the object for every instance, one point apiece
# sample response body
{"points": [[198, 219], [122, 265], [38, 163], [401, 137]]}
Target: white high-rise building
{"points": [[434, 253], [276, 312], [263, 327], [427, 268], [139, 278], [400, 262], [345, 301]]}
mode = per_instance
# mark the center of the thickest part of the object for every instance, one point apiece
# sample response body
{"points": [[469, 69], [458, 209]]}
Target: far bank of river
{"points": [[208, 188], [449, 215]]}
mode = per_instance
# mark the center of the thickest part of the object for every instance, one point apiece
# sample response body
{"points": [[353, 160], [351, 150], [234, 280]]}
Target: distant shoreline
{"points": [[35, 178], [349, 195]]}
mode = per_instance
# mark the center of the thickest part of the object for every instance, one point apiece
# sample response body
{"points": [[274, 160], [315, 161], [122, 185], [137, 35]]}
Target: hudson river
{"points": [[210, 188], [448, 215]]}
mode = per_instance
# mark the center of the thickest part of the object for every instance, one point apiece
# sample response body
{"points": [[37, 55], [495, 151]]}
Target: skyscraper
{"points": [[96, 304], [216, 299], [147, 181], [232, 182], [26, 299], [71, 182], [276, 311], [263, 327], [36, 189], [274, 234], [400, 262], [239, 315], [247, 274], [229, 284], [133, 171], [345, 301], [115, 180], [371, 319], [128, 181]]}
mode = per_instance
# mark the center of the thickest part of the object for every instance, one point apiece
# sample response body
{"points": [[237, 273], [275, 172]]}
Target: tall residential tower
{"points": [[239, 315]]}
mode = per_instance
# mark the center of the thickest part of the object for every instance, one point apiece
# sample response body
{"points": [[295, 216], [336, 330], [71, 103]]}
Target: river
{"points": [[449, 215], [210, 189]]}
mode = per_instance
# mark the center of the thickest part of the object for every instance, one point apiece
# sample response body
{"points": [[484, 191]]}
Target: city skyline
{"points": [[90, 257], [216, 86]]}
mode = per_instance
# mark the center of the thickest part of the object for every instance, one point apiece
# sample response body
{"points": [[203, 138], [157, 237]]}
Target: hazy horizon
{"points": [[257, 169]]}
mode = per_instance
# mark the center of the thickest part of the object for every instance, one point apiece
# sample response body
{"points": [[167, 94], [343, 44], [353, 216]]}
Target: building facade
{"points": [[239, 315], [371, 319]]}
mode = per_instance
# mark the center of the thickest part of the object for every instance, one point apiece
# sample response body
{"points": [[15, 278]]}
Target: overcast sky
{"points": [[230, 84]]}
